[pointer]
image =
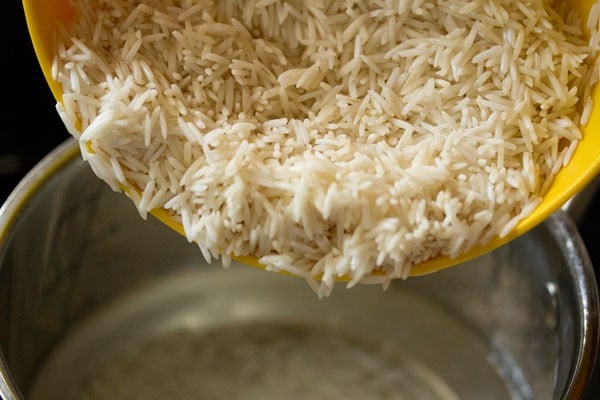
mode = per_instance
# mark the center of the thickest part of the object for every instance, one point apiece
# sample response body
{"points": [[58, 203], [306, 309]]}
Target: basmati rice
{"points": [[329, 138]]}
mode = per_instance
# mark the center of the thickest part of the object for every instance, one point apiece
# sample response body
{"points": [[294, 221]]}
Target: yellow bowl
{"points": [[41, 16]]}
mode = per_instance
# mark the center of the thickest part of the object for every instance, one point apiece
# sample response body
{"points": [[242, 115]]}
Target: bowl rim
{"points": [[563, 228]]}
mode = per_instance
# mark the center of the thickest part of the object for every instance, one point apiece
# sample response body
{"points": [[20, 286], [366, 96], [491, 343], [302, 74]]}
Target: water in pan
{"points": [[184, 338], [264, 360]]}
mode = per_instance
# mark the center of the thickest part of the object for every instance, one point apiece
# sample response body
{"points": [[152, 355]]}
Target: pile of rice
{"points": [[328, 138]]}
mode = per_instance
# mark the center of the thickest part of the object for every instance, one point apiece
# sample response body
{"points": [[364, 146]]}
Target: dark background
{"points": [[31, 126]]}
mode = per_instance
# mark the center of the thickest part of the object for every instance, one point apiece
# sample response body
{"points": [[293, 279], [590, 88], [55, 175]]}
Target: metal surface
{"points": [[82, 278]]}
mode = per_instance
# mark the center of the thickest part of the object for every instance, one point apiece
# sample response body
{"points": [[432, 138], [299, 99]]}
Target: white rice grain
{"points": [[329, 138]]}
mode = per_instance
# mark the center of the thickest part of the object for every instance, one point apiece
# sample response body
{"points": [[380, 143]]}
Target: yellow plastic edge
{"points": [[41, 17]]}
